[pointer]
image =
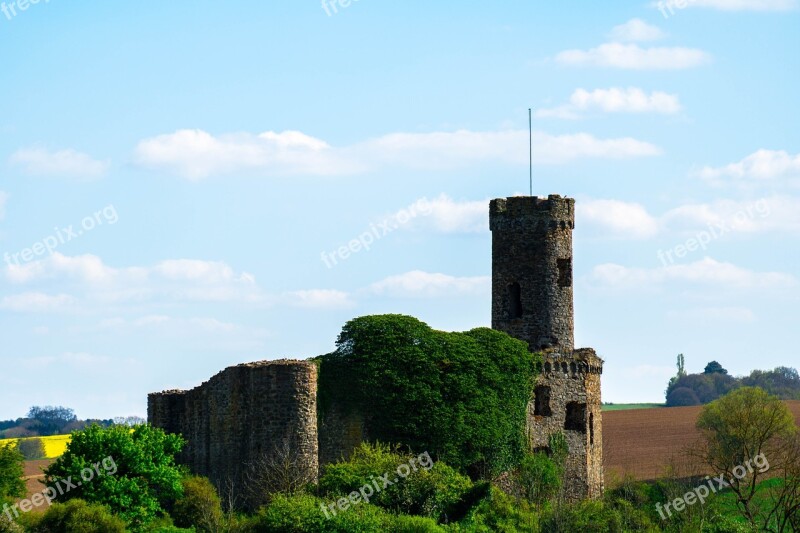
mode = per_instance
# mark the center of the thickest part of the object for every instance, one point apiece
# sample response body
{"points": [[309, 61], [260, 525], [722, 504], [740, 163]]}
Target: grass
{"points": [[627, 406], [54, 446]]}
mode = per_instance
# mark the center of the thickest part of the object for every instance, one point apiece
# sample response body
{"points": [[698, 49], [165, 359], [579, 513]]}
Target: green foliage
{"points": [[706, 387], [682, 397], [200, 505], [52, 420], [302, 513], [11, 472], [597, 517], [714, 368], [540, 477], [460, 396], [134, 470], [431, 490], [77, 516], [499, 512], [31, 449], [783, 382]]}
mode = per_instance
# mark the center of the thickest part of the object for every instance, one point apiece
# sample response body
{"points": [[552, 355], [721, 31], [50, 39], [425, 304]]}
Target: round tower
{"points": [[532, 270]]}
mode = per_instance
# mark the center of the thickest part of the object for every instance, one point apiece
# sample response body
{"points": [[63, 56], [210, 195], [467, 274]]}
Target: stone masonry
{"points": [[532, 300], [247, 412]]}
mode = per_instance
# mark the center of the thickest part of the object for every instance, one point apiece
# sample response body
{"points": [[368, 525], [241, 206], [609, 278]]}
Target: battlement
{"points": [[532, 213], [582, 361]]}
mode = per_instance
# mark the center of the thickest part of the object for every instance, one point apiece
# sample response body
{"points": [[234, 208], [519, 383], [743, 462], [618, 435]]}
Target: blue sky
{"points": [[171, 175]]}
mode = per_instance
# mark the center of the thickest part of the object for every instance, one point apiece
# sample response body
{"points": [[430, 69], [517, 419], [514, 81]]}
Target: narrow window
{"points": [[541, 401], [514, 300], [591, 429], [565, 272], [547, 368], [573, 368], [576, 417]]}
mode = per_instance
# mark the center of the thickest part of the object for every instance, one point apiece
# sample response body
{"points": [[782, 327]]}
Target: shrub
{"points": [[499, 512], [682, 397], [32, 449], [139, 477], [11, 472], [430, 490], [540, 477], [77, 516], [200, 505]]}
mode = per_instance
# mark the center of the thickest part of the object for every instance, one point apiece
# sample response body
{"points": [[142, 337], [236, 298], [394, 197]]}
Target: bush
{"points": [[460, 396], [499, 512], [32, 449], [540, 478], [682, 397], [200, 505], [77, 516], [138, 478], [430, 489], [11, 472]]}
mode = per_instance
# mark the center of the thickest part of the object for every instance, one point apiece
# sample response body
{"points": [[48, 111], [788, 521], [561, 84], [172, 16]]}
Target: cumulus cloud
{"points": [[636, 30], [445, 215], [618, 219], [63, 163], [419, 284], [762, 166], [195, 154], [634, 57], [705, 272], [614, 100]]}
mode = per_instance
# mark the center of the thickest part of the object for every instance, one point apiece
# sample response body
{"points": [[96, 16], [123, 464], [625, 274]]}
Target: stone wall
{"points": [[532, 269], [241, 415], [567, 399]]}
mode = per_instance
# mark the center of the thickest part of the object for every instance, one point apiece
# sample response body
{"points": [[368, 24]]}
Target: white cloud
{"points": [[419, 284], [706, 271], [634, 57], [180, 279], [37, 302], [618, 219], [759, 167], [636, 30], [614, 100], [3, 200], [445, 215], [196, 154], [671, 6], [63, 163], [319, 299]]}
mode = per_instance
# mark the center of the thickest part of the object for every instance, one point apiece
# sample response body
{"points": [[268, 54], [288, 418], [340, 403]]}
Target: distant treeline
{"points": [[714, 382], [49, 420]]}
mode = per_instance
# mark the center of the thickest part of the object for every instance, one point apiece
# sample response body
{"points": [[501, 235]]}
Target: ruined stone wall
{"points": [[567, 399], [241, 415], [532, 269]]}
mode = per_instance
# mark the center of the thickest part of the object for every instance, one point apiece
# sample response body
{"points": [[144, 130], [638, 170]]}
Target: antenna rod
{"points": [[530, 149]]}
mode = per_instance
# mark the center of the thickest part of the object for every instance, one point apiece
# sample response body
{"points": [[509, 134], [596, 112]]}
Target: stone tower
{"points": [[532, 300]]}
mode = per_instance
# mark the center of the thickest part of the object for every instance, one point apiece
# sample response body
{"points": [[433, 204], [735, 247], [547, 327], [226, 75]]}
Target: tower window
{"points": [[541, 401], [514, 301], [591, 429], [565, 272], [576, 417]]}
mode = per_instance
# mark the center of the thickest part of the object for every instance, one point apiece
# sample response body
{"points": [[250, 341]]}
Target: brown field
{"points": [[644, 443], [33, 478]]}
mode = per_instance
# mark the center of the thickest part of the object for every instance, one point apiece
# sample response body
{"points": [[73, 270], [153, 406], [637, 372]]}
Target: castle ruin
{"points": [[247, 411]]}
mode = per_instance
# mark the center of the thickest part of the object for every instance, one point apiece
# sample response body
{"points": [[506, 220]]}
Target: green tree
{"points": [[462, 397], [51, 419], [78, 516], [32, 449], [11, 472], [743, 432], [714, 368], [132, 471], [200, 506]]}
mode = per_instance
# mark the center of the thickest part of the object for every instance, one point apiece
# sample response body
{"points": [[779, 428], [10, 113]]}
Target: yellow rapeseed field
{"points": [[54, 446]]}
